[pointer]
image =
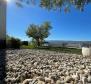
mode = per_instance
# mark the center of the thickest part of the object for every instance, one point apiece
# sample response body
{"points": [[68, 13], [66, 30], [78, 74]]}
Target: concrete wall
{"points": [[2, 20]]}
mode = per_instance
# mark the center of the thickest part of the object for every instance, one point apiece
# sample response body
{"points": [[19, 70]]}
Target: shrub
{"points": [[13, 43], [24, 43], [31, 46]]}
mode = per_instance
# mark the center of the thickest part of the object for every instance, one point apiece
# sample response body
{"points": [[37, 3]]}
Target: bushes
{"points": [[30, 46], [25, 47], [16, 43], [24, 43], [13, 43]]}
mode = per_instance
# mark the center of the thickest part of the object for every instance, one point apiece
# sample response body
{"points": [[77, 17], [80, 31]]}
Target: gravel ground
{"points": [[26, 66]]}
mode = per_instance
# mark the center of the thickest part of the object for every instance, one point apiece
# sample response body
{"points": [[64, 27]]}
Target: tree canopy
{"points": [[39, 32], [57, 4]]}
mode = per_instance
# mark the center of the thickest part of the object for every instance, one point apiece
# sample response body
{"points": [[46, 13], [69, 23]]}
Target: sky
{"points": [[75, 25]]}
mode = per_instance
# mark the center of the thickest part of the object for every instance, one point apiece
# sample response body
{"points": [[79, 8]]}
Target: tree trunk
{"points": [[38, 42]]}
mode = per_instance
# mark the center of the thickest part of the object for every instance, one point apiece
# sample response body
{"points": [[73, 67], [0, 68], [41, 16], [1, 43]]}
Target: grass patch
{"points": [[27, 47], [62, 49], [57, 49]]}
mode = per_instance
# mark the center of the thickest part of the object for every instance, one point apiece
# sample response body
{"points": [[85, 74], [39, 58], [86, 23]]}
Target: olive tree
{"points": [[39, 32], [56, 4]]}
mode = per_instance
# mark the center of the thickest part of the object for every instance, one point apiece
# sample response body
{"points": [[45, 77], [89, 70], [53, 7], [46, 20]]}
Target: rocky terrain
{"points": [[28, 66]]}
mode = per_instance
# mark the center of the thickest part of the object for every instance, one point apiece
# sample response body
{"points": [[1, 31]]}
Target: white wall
{"points": [[86, 51]]}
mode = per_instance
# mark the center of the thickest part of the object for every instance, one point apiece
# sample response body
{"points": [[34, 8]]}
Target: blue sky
{"points": [[75, 25]]}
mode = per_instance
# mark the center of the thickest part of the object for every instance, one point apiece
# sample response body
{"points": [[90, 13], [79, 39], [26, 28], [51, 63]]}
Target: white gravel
{"points": [[27, 66]]}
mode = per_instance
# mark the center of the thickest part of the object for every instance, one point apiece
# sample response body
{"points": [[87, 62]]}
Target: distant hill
{"points": [[60, 43]]}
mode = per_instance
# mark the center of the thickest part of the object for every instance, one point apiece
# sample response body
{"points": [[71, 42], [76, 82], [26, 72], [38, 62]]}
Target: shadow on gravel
{"points": [[2, 62]]}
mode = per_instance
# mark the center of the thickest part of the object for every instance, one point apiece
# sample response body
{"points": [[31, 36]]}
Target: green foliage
{"points": [[32, 31], [31, 46], [57, 4], [44, 30], [8, 37], [39, 32], [64, 4], [24, 43], [13, 42], [33, 42], [62, 49]]}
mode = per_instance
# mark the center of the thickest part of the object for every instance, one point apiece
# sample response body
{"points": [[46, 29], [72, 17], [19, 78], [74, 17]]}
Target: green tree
{"points": [[57, 4], [8, 37], [65, 4], [12, 42], [39, 32]]}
